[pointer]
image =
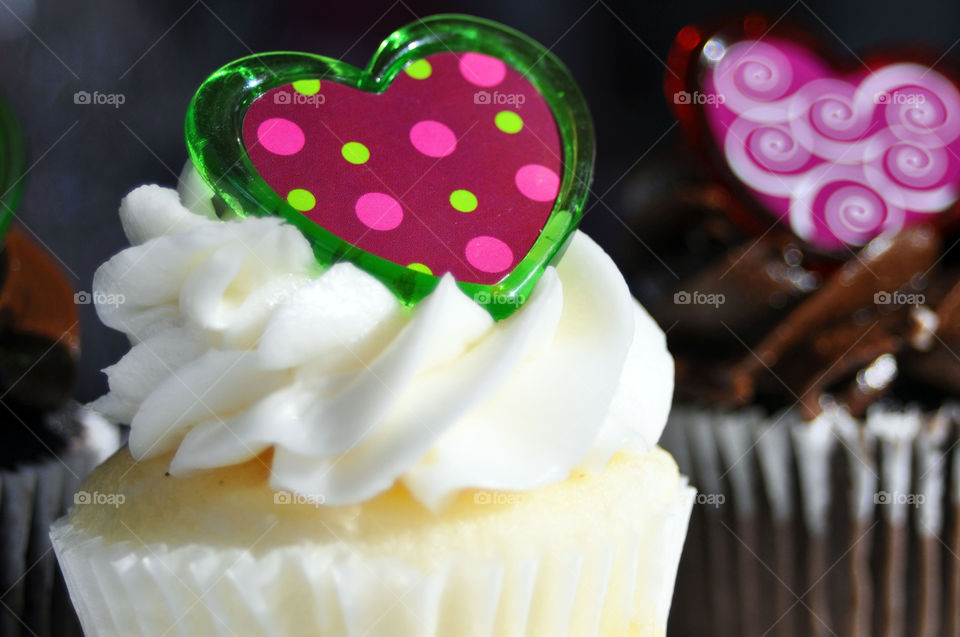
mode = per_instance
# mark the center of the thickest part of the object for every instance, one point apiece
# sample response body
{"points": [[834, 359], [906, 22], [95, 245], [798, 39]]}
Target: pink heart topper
{"points": [[839, 158], [454, 168]]}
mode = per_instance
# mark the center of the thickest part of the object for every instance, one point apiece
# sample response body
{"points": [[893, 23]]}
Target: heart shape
{"points": [[463, 147], [838, 155]]}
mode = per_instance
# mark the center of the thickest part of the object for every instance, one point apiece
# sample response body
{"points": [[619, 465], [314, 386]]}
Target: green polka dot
{"points": [[419, 70], [355, 153], [463, 200], [508, 122], [419, 267], [307, 87], [301, 199]]}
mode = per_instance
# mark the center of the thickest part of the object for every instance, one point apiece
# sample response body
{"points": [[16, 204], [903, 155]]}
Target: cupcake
{"points": [[318, 447], [817, 416], [50, 443], [814, 323]]}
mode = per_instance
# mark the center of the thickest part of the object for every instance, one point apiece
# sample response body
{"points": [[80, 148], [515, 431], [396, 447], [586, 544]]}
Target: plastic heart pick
{"points": [[840, 155], [463, 147]]}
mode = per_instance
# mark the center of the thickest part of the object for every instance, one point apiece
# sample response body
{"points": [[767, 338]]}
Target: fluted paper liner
{"points": [[832, 527], [619, 585], [32, 496]]}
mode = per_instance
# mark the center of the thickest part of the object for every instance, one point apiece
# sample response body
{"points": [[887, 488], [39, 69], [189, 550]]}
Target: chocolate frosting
{"points": [[764, 320], [39, 347]]}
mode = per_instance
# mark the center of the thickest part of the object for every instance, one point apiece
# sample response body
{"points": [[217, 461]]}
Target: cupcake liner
{"points": [[830, 527], [615, 586], [32, 497]]}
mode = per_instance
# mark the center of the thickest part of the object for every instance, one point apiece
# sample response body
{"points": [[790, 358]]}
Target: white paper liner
{"points": [[773, 454], [813, 442], [932, 472], [860, 445], [735, 441], [896, 432], [619, 585]]}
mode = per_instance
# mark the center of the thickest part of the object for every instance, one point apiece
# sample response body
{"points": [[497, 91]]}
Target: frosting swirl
{"points": [[242, 344]]}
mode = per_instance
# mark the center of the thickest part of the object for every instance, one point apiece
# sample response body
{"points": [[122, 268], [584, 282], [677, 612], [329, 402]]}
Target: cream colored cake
{"points": [[593, 555]]}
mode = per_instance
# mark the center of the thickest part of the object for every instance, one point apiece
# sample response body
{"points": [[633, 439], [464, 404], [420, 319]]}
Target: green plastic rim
{"points": [[12, 166], [214, 140]]}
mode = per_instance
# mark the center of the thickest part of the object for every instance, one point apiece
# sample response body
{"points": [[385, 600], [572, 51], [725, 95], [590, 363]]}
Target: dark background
{"points": [[84, 158]]}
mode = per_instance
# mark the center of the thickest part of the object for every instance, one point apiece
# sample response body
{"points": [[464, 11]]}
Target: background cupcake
{"points": [[50, 442], [815, 413], [808, 285]]}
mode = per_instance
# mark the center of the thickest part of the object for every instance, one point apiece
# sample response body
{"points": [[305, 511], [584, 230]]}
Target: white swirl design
{"points": [[753, 79], [241, 344], [853, 211], [774, 148], [915, 166]]}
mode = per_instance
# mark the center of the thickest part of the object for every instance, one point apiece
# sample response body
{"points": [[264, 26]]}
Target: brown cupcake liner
{"points": [[830, 527], [33, 597]]}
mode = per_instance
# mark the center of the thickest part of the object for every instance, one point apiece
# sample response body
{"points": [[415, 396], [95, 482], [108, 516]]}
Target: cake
{"points": [[379, 383]]}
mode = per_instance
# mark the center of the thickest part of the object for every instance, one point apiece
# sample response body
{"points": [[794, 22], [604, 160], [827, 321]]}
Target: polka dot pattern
{"points": [[482, 70], [378, 211], [301, 199], [355, 153], [509, 122], [463, 200], [419, 70], [423, 174], [280, 136], [307, 87], [488, 254], [537, 182], [419, 267], [433, 139]]}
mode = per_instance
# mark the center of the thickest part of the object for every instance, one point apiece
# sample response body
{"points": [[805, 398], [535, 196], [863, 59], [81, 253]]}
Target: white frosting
{"points": [[242, 343]]}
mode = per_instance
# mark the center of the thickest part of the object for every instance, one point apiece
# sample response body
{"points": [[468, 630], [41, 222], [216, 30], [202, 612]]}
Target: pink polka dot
{"points": [[433, 139], [280, 136], [537, 182], [489, 254], [379, 211], [482, 70]]}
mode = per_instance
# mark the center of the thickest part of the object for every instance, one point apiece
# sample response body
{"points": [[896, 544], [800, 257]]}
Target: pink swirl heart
{"points": [[839, 158]]}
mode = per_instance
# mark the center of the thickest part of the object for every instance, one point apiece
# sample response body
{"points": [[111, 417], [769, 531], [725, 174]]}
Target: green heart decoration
{"points": [[463, 147]]}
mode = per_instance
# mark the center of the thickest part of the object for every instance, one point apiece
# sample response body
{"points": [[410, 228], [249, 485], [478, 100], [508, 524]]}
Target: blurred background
{"points": [[151, 56]]}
